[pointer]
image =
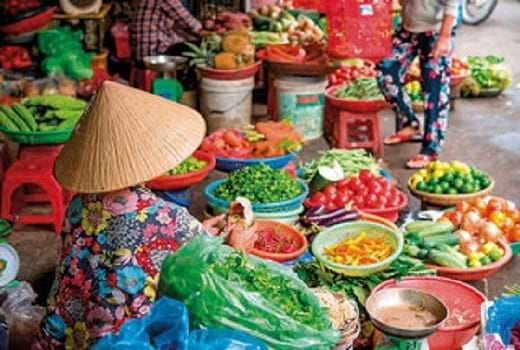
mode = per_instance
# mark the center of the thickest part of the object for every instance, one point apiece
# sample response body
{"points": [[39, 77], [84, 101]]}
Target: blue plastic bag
{"points": [[503, 315], [167, 328]]}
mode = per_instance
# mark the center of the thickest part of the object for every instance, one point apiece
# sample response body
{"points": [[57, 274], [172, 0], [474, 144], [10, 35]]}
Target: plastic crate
{"points": [[361, 29]]}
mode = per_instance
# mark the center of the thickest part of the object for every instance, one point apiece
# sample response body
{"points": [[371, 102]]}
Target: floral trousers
{"points": [[435, 80]]}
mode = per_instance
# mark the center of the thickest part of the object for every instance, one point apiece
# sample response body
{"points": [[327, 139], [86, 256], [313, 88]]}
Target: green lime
{"points": [[433, 182], [485, 182], [468, 188], [453, 191], [421, 186], [448, 177], [445, 186], [438, 189], [458, 183]]}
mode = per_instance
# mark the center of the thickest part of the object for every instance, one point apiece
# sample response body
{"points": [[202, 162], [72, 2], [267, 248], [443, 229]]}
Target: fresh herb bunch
{"points": [[260, 184], [187, 166], [281, 291], [314, 274]]}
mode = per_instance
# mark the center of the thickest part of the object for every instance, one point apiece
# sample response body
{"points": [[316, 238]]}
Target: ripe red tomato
{"points": [[375, 187], [393, 202], [319, 198], [340, 201], [347, 192], [342, 184], [366, 175], [371, 200], [308, 203], [330, 206], [359, 202], [356, 185], [381, 201], [365, 191], [330, 190]]}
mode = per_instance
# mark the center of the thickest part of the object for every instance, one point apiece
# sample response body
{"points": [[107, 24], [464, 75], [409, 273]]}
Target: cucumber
{"points": [[447, 238], [430, 228], [327, 175], [7, 123], [446, 259], [22, 126], [26, 116]]}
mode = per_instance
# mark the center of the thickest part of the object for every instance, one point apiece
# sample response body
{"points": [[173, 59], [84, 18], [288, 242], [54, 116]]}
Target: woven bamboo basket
{"points": [[446, 200]]}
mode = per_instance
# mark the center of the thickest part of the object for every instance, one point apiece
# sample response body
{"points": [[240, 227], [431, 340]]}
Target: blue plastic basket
{"points": [[232, 164], [291, 204]]}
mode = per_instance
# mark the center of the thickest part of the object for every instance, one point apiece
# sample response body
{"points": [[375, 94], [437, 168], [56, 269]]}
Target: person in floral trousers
{"points": [[426, 32]]}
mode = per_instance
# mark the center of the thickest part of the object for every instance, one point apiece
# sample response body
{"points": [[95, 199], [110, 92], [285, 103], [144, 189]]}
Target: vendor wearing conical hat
{"points": [[117, 233]]}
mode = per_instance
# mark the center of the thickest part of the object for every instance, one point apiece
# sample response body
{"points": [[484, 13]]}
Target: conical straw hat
{"points": [[126, 137]]}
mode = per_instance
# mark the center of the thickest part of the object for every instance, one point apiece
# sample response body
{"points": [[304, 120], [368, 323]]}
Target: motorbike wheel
{"points": [[475, 12]]}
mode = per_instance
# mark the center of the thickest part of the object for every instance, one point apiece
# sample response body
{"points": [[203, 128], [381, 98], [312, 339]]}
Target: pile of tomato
{"points": [[347, 73], [365, 191]]}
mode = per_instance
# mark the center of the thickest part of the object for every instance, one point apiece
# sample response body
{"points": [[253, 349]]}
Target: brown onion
{"points": [[471, 222], [490, 232], [464, 236], [469, 247]]}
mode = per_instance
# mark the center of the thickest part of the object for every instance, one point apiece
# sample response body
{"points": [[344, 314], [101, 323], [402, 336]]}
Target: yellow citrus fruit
{"points": [[437, 174], [423, 173]]}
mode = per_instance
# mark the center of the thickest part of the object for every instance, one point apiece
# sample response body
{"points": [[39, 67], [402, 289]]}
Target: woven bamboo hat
{"points": [[126, 137]]}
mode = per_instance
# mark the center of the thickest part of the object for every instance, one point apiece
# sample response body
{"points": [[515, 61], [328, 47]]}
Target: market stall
{"points": [[331, 253]]}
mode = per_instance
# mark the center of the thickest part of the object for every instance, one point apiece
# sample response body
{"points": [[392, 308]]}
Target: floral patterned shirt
{"points": [[113, 248]]}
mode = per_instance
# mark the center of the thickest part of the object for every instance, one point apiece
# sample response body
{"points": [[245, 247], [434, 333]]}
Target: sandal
{"points": [[420, 161], [403, 136]]}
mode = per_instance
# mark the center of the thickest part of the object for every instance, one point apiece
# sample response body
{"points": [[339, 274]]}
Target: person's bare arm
{"points": [[443, 45]]}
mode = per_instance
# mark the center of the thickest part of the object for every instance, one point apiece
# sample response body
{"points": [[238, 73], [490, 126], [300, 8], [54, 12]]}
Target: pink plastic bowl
{"points": [[458, 297]]}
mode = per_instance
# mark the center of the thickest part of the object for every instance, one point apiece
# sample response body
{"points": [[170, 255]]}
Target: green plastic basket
{"points": [[286, 217], [338, 233], [39, 137]]}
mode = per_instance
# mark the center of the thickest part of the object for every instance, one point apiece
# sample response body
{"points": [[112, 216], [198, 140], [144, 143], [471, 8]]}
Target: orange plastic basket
{"points": [[359, 28]]}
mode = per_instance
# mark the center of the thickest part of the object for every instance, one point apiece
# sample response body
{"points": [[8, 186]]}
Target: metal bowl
{"points": [[164, 63], [402, 296]]}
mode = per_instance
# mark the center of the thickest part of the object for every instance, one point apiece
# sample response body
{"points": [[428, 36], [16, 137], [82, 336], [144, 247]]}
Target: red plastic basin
{"points": [[29, 24], [459, 298], [391, 214], [475, 273], [354, 105], [285, 230], [174, 182], [234, 74]]}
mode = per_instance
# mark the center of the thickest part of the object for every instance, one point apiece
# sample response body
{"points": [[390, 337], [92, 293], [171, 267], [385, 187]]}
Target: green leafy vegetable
{"points": [[187, 166], [260, 184], [314, 274]]}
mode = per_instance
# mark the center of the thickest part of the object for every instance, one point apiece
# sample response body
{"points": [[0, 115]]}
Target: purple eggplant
{"points": [[347, 216], [328, 215], [312, 212]]}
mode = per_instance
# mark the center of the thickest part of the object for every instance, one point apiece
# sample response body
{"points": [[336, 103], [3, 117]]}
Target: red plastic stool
{"points": [[357, 130], [34, 169]]}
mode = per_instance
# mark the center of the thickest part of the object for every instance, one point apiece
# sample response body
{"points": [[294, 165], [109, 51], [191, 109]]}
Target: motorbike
{"points": [[475, 12]]}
